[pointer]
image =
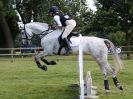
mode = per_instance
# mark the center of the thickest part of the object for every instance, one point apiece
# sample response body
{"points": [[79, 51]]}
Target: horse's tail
{"points": [[117, 60]]}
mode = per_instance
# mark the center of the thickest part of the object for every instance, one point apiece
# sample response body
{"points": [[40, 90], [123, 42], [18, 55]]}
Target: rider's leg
{"points": [[67, 46], [68, 29], [70, 25]]}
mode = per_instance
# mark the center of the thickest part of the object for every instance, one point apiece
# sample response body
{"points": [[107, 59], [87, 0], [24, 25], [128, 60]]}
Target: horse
{"points": [[95, 46]]}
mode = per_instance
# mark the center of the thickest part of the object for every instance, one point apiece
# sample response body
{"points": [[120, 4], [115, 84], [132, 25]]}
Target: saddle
{"points": [[68, 37]]}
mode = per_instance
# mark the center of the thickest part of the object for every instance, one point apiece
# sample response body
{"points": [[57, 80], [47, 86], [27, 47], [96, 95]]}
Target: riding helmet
{"points": [[53, 9]]}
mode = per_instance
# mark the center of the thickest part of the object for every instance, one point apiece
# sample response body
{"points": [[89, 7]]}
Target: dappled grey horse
{"points": [[94, 46]]}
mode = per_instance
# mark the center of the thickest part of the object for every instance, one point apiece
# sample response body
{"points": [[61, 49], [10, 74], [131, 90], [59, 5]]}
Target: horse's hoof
{"points": [[43, 67], [53, 63], [121, 88]]}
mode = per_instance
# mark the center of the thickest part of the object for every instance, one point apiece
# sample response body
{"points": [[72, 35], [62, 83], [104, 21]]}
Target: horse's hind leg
{"points": [[113, 73], [101, 59], [115, 80], [105, 66], [104, 72]]}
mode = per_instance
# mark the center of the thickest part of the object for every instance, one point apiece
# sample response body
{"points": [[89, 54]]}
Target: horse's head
{"points": [[33, 28], [26, 33], [40, 29]]}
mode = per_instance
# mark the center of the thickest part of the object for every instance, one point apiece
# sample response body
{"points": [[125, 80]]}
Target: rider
{"points": [[63, 21]]}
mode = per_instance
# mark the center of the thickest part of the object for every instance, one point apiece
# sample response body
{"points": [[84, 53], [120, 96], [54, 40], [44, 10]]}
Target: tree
{"points": [[39, 9], [4, 25], [114, 15]]}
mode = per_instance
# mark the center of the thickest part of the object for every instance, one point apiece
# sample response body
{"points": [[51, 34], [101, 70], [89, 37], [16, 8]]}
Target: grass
{"points": [[23, 80]]}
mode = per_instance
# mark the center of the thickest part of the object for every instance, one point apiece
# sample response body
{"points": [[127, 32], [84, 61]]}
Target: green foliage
{"points": [[7, 13], [118, 38], [112, 16], [39, 10]]}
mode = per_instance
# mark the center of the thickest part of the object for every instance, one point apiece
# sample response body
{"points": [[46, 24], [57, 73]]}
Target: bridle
{"points": [[41, 34], [23, 31]]}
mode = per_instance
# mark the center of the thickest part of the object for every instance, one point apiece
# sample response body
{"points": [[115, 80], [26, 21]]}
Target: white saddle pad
{"points": [[75, 41]]}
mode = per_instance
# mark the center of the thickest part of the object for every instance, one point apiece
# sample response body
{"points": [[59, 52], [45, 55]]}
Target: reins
{"points": [[44, 33]]}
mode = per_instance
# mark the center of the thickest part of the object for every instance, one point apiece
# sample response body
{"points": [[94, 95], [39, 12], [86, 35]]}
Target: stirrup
{"points": [[67, 53]]}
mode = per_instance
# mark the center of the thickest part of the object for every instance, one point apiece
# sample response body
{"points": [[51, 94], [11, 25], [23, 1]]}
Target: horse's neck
{"points": [[52, 36], [37, 27]]}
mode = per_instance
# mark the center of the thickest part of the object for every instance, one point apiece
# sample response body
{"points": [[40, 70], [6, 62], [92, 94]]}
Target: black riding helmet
{"points": [[53, 9]]}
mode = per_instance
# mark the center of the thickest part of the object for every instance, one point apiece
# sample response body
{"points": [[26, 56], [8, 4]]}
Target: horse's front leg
{"points": [[48, 62], [37, 60], [43, 67]]}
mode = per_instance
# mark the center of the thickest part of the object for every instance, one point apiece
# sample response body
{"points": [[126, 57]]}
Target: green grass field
{"points": [[23, 80]]}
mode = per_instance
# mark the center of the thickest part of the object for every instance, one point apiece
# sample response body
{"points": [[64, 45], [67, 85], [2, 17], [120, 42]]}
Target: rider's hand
{"points": [[52, 26]]}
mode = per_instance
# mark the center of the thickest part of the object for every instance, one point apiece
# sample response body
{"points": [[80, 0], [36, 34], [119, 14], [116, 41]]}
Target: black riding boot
{"points": [[67, 46]]}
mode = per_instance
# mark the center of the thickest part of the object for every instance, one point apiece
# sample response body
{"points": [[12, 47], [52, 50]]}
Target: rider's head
{"points": [[53, 10]]}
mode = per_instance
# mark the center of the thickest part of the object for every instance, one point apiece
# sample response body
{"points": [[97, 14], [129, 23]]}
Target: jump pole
{"points": [[80, 62]]}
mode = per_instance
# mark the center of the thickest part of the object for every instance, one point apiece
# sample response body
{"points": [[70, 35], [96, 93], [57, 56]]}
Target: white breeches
{"points": [[70, 25]]}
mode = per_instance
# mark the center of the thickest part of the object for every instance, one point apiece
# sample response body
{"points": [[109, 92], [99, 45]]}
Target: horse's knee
{"points": [[37, 58], [40, 55]]}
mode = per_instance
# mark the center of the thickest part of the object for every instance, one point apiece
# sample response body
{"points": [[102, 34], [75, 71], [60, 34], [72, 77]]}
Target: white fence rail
{"points": [[11, 52], [18, 51]]}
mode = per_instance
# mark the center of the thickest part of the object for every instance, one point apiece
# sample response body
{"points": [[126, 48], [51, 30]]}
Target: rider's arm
{"points": [[57, 20]]}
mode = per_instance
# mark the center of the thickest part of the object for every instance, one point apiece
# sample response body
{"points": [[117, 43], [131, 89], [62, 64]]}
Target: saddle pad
{"points": [[75, 41]]}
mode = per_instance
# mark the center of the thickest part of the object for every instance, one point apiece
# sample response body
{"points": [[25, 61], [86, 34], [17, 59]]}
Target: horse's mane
{"points": [[42, 24]]}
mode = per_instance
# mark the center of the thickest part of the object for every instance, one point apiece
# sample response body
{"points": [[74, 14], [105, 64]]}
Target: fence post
{"points": [[12, 50]]}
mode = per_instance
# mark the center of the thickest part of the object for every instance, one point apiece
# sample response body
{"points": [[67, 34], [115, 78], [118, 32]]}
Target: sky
{"points": [[91, 4]]}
